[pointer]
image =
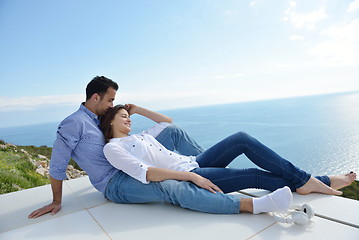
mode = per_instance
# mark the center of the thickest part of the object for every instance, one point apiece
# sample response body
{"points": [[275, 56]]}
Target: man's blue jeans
{"points": [[125, 189], [277, 173]]}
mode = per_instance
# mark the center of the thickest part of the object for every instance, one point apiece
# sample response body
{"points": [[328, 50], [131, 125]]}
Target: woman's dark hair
{"points": [[99, 85], [105, 121]]}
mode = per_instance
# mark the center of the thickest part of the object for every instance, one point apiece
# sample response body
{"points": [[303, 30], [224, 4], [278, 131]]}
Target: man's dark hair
{"points": [[99, 85]]}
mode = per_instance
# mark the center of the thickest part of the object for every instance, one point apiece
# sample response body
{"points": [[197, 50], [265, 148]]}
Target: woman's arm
{"points": [[154, 116], [160, 174]]}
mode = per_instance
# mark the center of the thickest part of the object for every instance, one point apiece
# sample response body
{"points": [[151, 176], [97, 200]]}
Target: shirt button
{"points": [[133, 145], [160, 149]]}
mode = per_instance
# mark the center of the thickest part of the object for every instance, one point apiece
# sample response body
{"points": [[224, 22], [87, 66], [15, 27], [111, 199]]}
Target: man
{"points": [[79, 137]]}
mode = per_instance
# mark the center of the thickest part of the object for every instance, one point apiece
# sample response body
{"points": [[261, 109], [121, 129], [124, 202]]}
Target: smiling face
{"points": [[121, 124]]}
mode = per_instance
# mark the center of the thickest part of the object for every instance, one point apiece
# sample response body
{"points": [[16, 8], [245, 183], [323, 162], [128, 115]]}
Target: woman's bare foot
{"points": [[314, 185], [338, 182]]}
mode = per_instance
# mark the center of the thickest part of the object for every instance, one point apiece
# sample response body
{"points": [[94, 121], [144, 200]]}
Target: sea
{"points": [[319, 134]]}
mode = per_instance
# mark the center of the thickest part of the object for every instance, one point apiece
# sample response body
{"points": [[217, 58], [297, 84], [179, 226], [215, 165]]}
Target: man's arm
{"points": [[66, 141], [53, 207]]}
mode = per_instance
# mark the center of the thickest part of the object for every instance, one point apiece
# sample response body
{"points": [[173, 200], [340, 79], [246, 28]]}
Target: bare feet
{"points": [[314, 185], [338, 182]]}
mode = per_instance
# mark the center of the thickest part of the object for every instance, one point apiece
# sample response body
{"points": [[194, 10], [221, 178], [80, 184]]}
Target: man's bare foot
{"points": [[314, 185], [338, 182]]}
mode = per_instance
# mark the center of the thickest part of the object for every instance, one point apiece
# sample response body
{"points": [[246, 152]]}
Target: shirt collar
{"points": [[120, 139], [91, 114]]}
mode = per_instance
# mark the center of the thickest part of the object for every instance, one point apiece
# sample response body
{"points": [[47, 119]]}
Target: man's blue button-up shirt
{"points": [[79, 137]]}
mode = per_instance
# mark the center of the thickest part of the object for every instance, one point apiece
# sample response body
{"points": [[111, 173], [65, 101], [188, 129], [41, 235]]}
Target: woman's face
{"points": [[121, 123]]}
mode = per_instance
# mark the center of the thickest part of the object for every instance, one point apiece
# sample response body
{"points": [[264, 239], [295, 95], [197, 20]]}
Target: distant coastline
{"points": [[199, 106]]}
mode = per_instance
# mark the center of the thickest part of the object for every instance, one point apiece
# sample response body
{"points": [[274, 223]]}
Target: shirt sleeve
{"points": [[67, 137], [156, 129], [125, 161]]}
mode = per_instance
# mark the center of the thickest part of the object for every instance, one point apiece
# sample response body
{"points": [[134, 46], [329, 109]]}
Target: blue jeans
{"points": [[176, 139], [125, 189], [277, 172]]}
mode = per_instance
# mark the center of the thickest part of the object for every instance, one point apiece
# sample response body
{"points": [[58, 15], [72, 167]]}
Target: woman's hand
{"points": [[131, 108], [160, 174], [205, 183], [154, 116]]}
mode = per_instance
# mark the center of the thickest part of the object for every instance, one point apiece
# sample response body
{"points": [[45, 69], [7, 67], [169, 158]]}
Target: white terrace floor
{"points": [[87, 215]]}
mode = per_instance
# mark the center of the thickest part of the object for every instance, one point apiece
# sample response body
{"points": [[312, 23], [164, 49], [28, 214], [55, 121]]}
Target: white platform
{"points": [[86, 214]]}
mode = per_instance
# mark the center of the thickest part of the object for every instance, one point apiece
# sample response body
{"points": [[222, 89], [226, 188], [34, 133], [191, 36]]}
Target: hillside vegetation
{"points": [[23, 167]]}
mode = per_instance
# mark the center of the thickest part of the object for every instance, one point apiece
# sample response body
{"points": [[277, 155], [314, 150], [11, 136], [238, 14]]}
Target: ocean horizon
{"points": [[318, 133]]}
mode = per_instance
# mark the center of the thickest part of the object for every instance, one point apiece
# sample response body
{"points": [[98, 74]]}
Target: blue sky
{"points": [[172, 54]]}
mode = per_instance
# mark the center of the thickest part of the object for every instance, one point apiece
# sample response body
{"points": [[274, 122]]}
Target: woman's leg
{"points": [[224, 152], [176, 139], [231, 179], [221, 154]]}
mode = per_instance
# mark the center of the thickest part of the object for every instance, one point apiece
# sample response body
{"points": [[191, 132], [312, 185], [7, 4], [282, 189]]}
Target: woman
{"points": [[145, 159]]}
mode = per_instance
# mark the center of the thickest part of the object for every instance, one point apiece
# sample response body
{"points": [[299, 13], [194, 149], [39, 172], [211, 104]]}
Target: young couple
{"points": [[164, 164]]}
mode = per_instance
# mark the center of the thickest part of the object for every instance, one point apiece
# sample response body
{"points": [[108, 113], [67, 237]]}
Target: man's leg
{"points": [[125, 189], [176, 139]]}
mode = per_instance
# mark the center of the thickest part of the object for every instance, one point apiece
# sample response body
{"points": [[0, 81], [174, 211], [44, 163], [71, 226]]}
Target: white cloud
{"points": [[303, 20], [287, 66], [230, 16], [32, 103], [342, 46], [230, 13], [353, 6], [296, 37], [180, 98], [224, 76], [255, 3]]}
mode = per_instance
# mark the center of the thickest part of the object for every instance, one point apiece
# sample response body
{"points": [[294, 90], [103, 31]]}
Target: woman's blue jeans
{"points": [[176, 139], [277, 172], [125, 189]]}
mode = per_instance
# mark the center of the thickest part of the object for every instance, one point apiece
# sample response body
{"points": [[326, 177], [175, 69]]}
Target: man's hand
{"points": [[205, 183], [53, 207]]}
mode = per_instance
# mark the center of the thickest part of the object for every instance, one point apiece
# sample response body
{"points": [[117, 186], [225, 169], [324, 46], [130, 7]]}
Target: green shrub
{"points": [[17, 172], [351, 191]]}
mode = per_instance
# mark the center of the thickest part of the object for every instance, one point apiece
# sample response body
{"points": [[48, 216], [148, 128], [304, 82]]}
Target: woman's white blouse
{"points": [[135, 153]]}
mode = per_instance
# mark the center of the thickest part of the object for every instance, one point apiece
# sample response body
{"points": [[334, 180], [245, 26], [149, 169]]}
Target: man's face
{"points": [[106, 102]]}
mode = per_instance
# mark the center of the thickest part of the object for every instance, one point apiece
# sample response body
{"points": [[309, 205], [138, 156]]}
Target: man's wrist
{"points": [[56, 201]]}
